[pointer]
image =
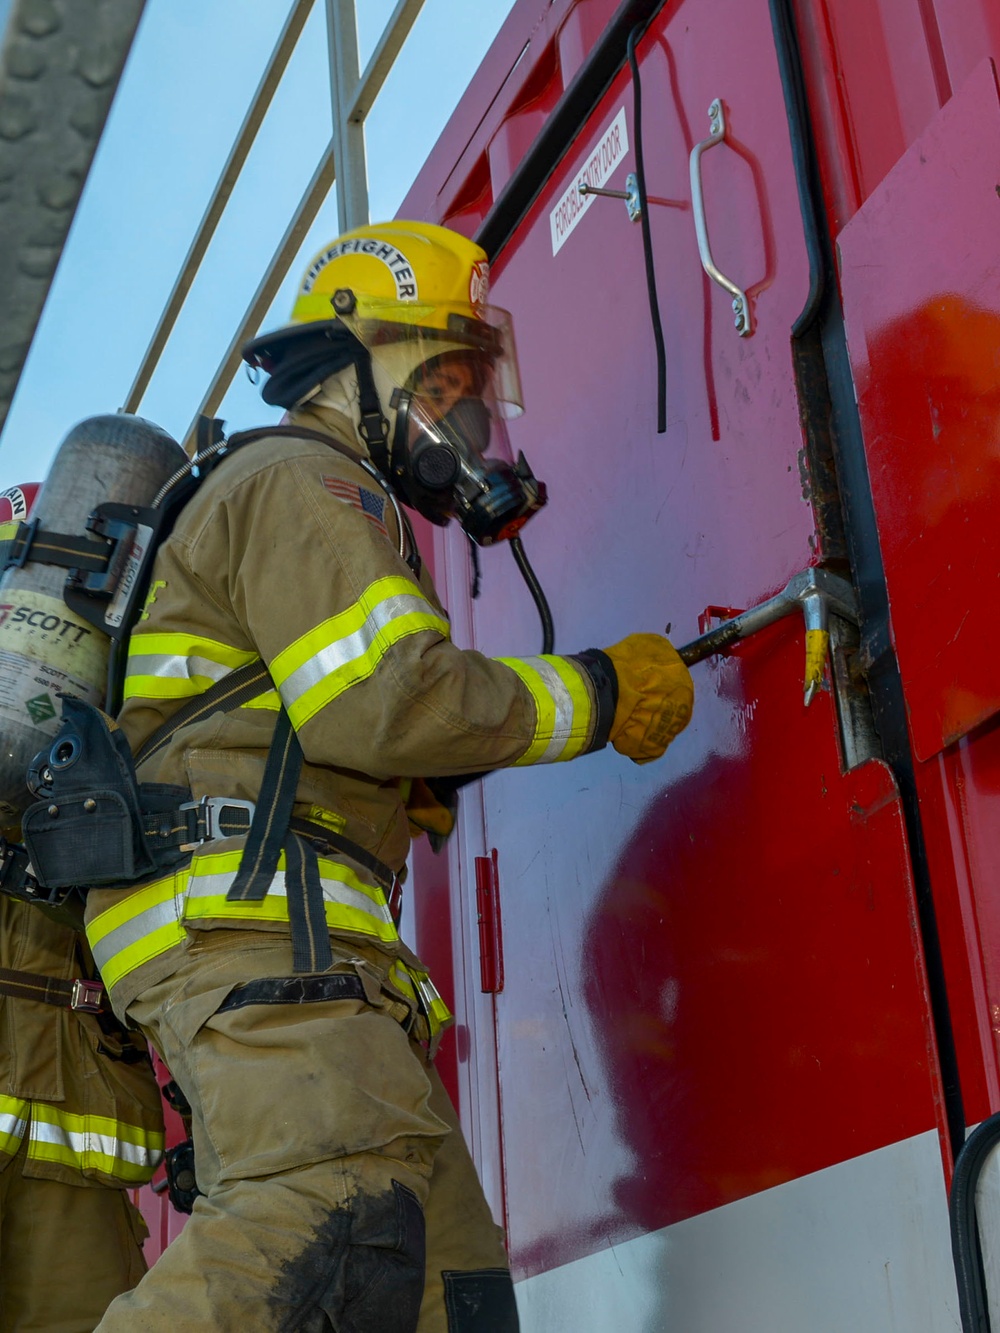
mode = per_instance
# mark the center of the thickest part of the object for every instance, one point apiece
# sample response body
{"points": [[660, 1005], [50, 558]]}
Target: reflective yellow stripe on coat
{"points": [[348, 648], [178, 666], [562, 705], [147, 923], [84, 1142]]}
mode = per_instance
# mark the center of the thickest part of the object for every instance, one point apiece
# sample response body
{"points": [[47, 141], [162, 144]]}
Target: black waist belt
{"points": [[82, 995], [295, 990]]}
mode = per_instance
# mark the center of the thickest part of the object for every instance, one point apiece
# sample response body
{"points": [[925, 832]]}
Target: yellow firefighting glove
{"points": [[655, 696], [430, 811]]}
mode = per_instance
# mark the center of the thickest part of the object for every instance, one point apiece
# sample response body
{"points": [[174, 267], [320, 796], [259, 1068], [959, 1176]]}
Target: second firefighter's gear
{"points": [[66, 1067], [67, 1251], [400, 309], [80, 1126], [48, 647], [655, 696]]}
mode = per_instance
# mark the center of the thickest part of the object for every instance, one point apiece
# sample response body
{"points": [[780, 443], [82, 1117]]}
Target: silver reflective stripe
{"points": [[334, 891], [353, 646], [175, 666], [13, 1126], [132, 931], [89, 1141], [562, 727]]}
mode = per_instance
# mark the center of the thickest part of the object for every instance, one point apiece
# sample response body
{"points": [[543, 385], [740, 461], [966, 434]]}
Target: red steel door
{"points": [[925, 352], [719, 1101]]}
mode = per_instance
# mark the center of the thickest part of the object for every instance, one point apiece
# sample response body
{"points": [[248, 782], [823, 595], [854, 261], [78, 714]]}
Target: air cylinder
{"points": [[46, 650]]}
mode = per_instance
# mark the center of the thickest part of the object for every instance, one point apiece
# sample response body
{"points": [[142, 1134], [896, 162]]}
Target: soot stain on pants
{"points": [[361, 1272]]}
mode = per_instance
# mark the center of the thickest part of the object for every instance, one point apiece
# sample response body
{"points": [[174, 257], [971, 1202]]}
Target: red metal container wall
{"points": [[913, 58], [694, 951], [924, 343]]}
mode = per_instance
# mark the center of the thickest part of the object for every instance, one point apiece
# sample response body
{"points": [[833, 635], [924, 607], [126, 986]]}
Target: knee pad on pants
{"points": [[385, 1261], [480, 1302], [363, 1270]]}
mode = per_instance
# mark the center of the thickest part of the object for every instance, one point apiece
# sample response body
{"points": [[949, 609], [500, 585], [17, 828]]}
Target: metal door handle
{"points": [[741, 305]]}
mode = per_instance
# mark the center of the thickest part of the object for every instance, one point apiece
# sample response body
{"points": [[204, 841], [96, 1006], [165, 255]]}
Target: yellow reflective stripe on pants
{"points": [[14, 1113], [93, 1142], [562, 704], [84, 1142], [348, 647], [178, 666], [138, 927], [147, 923]]}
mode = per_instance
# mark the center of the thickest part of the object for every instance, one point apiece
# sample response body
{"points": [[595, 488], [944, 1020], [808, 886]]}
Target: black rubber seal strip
{"points": [[966, 1247]]}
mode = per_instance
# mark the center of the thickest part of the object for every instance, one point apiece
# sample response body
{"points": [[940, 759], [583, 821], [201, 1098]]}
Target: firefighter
{"points": [[337, 1191], [80, 1126]]}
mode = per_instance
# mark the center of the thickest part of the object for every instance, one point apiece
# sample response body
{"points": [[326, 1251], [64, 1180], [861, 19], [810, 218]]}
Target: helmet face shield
{"points": [[405, 335], [405, 305], [450, 375], [450, 444]]}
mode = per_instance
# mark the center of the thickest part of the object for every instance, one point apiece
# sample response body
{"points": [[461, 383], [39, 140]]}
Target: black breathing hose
{"points": [[647, 239], [535, 588]]}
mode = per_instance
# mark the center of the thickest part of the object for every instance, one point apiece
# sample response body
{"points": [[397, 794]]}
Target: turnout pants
{"points": [[65, 1251], [337, 1189]]}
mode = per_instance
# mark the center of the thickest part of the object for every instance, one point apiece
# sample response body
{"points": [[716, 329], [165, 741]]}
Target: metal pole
{"points": [[288, 248], [348, 128], [270, 79], [389, 46]]}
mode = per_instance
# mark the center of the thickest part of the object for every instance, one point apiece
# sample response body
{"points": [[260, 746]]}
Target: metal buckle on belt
{"points": [[87, 996], [210, 808]]}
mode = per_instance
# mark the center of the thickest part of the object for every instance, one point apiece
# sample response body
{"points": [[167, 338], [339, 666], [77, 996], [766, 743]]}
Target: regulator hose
{"points": [[647, 239], [535, 588]]}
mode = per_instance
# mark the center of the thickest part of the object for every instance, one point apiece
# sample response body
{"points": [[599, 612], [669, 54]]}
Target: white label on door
{"points": [[597, 168]]}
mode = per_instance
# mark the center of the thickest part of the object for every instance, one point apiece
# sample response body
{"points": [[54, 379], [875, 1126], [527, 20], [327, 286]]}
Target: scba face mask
{"points": [[451, 454], [449, 380]]}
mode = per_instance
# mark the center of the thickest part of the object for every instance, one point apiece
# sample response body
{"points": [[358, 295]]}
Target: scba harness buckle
{"points": [[210, 819], [87, 997]]}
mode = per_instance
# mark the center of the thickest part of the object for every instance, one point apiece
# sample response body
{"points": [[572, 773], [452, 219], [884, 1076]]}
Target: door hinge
{"points": [[490, 928]]}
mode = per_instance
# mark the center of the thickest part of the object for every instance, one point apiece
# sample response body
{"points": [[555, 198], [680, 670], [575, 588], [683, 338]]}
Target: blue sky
{"points": [[182, 98]]}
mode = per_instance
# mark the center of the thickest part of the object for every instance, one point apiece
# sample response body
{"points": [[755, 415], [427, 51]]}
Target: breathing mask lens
{"points": [[449, 375], [452, 459]]}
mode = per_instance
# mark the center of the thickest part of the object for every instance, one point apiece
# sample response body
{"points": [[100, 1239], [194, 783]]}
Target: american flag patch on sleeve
{"points": [[366, 502]]}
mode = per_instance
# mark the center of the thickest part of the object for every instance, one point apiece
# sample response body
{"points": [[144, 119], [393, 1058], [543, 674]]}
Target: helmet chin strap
{"points": [[373, 425]]}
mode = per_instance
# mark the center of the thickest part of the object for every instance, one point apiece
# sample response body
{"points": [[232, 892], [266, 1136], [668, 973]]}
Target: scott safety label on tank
{"points": [[45, 651], [602, 160], [115, 613]]}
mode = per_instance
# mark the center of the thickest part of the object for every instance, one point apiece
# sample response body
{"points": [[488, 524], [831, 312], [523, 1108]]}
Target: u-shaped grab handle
{"points": [[741, 304]]}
